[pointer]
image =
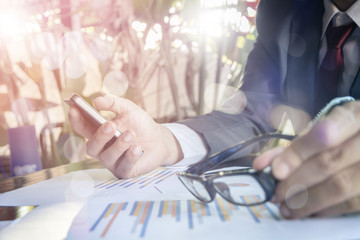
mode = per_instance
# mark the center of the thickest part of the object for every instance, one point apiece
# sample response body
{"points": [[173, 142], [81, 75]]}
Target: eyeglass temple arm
{"points": [[220, 157]]}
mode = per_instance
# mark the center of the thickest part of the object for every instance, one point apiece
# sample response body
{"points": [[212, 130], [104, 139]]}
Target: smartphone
{"points": [[89, 112]]}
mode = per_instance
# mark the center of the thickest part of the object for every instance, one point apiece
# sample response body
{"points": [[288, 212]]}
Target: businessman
{"points": [[307, 52]]}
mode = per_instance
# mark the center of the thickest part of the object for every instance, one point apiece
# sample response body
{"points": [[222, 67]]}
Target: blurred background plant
{"points": [[174, 58]]}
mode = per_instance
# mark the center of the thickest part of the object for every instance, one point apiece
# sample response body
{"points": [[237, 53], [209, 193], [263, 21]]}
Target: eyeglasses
{"points": [[237, 184]]}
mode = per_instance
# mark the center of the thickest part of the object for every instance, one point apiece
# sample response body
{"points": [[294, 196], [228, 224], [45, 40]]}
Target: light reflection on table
{"points": [[12, 183]]}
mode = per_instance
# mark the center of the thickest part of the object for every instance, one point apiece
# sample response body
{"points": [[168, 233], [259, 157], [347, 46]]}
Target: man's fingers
{"points": [[265, 159], [127, 166], [97, 142], [350, 206], [110, 155], [110, 103], [129, 116], [336, 128], [319, 138], [321, 166], [340, 187], [347, 119]]}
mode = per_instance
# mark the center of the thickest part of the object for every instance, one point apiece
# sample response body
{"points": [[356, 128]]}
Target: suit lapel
{"points": [[304, 45], [355, 87]]}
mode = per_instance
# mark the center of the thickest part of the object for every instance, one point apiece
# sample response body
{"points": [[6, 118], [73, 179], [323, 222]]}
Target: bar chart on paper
{"points": [[146, 219], [156, 185], [157, 206], [151, 178]]}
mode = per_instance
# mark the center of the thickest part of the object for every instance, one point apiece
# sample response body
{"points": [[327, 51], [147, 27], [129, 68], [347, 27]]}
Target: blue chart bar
{"points": [[101, 217], [110, 212], [189, 213], [161, 208], [257, 211], [178, 211], [190, 218]]}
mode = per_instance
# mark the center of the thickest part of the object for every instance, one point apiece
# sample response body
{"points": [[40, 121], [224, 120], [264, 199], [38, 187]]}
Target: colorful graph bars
{"points": [[190, 214], [128, 209]]}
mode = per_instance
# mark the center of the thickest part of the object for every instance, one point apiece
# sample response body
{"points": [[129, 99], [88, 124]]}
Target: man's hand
{"points": [[319, 172], [143, 145]]}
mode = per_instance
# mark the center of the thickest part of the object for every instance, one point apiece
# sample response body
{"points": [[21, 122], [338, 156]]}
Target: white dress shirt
{"points": [[191, 143]]}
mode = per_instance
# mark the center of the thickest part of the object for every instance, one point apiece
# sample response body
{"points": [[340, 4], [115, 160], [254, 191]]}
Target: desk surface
{"points": [[12, 183]]}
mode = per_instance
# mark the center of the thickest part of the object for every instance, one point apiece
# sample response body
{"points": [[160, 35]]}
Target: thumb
{"points": [[114, 104], [265, 159]]}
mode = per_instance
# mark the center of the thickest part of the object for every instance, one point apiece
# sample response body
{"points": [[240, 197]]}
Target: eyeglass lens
{"points": [[196, 188], [240, 189]]}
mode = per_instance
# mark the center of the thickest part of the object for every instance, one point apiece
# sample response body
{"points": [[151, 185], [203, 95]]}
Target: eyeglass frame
{"points": [[264, 177], [198, 170]]}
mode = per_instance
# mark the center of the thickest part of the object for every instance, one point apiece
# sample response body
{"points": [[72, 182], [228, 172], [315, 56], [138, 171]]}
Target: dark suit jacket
{"points": [[281, 69]]}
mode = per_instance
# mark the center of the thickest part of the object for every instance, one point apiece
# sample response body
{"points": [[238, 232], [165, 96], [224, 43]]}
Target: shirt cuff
{"points": [[191, 144]]}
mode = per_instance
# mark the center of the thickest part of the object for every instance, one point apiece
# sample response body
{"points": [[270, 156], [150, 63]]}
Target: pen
{"points": [[322, 113], [328, 107]]}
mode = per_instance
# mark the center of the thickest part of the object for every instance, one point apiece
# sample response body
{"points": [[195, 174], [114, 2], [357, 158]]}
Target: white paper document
{"points": [[154, 206], [190, 219], [157, 206], [99, 185]]}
